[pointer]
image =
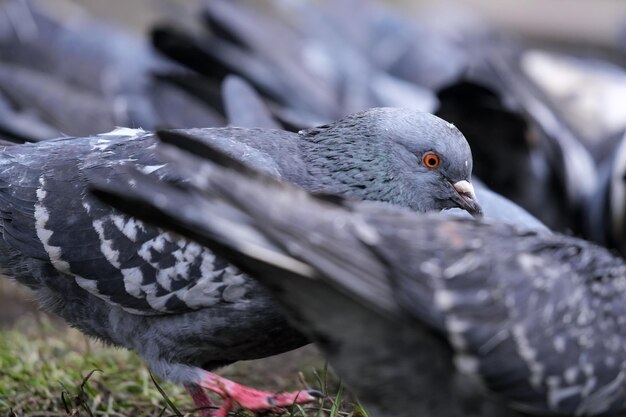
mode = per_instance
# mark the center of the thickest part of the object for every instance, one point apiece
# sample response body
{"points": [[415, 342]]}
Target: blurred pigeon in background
{"points": [[82, 76], [505, 320], [517, 135], [308, 71]]}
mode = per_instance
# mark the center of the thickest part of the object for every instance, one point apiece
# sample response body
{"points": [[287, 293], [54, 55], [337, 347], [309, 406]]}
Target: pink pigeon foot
{"points": [[201, 399], [235, 394]]}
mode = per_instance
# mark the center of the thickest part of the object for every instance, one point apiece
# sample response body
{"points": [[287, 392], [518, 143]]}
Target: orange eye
{"points": [[431, 160]]}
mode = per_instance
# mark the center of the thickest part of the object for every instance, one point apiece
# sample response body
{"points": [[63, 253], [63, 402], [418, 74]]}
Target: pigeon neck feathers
{"points": [[378, 155]]}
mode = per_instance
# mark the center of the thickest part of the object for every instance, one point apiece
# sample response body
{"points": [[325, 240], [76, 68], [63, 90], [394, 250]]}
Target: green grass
{"points": [[43, 367], [47, 370]]}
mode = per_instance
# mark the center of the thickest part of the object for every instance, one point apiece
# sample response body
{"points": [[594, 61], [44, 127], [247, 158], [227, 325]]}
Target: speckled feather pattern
{"points": [[540, 324], [109, 254]]}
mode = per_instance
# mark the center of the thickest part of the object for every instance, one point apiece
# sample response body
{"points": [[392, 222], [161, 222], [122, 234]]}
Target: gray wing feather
{"points": [[244, 106]]}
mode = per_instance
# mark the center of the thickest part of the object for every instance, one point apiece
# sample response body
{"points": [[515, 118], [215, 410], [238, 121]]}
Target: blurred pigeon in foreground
{"points": [[183, 309], [414, 311]]}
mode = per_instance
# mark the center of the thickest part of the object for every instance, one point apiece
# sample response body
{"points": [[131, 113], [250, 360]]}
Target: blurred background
{"points": [[570, 22], [538, 88], [599, 22]]}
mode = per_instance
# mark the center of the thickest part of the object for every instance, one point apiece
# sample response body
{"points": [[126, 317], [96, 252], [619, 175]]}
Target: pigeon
{"points": [[309, 71], [582, 88], [83, 76], [178, 305], [420, 314], [538, 161]]}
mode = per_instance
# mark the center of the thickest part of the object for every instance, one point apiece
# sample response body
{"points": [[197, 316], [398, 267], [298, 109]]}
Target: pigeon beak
{"points": [[466, 198]]}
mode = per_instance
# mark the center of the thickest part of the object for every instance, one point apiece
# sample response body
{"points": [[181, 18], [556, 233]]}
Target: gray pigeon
{"points": [[418, 313], [298, 55], [64, 68], [178, 305]]}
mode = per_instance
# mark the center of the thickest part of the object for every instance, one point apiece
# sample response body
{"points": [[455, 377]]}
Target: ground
{"points": [[43, 364]]}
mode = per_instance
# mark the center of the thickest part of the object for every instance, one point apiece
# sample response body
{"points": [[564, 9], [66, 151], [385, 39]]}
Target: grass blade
{"points": [[169, 402]]}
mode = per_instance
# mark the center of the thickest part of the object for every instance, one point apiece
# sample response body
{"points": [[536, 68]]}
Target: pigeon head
{"points": [[400, 156]]}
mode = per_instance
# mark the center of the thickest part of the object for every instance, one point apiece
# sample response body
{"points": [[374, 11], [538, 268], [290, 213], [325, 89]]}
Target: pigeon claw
{"points": [[251, 399]]}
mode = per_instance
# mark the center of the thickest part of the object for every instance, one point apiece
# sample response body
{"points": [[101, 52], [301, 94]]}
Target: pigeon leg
{"points": [[249, 398], [200, 399], [227, 405]]}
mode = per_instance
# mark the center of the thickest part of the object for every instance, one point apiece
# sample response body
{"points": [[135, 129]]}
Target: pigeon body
{"points": [[415, 311], [181, 307]]}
